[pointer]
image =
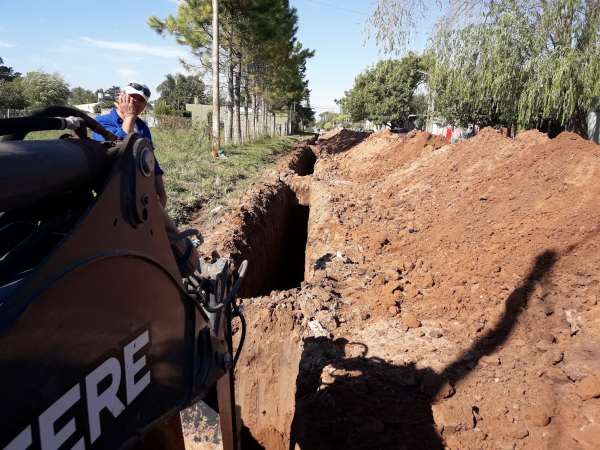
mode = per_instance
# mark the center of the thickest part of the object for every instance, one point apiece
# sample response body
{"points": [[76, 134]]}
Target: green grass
{"points": [[196, 181], [191, 172]]}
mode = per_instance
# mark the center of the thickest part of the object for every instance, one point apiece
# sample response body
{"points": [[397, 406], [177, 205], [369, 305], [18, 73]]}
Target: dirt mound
{"points": [[385, 152], [342, 133], [532, 136], [457, 287]]}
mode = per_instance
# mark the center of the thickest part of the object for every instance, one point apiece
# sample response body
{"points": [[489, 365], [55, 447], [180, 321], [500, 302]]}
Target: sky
{"points": [[101, 44]]}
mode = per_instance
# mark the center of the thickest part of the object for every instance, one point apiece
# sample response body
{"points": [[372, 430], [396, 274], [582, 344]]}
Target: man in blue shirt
{"points": [[123, 119]]}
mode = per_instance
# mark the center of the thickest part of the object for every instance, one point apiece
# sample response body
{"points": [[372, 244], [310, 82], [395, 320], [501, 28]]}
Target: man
{"points": [[123, 119]]}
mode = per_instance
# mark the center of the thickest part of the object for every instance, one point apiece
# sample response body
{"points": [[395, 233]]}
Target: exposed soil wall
{"points": [[457, 286], [269, 227]]}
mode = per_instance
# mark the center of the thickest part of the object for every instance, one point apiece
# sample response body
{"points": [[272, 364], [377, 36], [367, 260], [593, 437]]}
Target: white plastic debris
{"points": [[317, 328]]}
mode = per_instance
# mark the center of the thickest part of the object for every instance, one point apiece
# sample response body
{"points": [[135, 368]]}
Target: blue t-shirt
{"points": [[112, 122]]}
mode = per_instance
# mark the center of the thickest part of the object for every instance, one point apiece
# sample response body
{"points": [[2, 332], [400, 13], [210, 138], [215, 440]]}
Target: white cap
{"points": [[135, 87]]}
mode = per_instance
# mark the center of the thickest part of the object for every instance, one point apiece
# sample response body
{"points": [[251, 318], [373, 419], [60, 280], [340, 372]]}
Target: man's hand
{"points": [[128, 112], [126, 105]]}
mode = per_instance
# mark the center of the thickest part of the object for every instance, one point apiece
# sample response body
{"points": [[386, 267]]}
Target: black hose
{"points": [[231, 294], [27, 124], [242, 339], [183, 235], [62, 111]]}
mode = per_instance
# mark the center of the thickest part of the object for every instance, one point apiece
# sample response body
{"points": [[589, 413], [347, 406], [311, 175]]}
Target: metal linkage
{"points": [[203, 300]]}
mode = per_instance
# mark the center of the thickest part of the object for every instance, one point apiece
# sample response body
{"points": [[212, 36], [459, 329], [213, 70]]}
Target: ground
{"points": [[456, 287]]}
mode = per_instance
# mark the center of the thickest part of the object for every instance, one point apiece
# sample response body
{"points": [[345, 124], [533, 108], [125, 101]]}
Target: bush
{"points": [[98, 107], [172, 122]]}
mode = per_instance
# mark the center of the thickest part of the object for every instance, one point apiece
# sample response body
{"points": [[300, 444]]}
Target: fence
{"points": [[8, 113]]}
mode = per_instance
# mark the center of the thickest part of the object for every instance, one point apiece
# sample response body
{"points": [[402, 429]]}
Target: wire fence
{"points": [[8, 113]]}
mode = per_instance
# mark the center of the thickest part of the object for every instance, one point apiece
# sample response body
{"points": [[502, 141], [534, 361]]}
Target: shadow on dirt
{"points": [[346, 400]]}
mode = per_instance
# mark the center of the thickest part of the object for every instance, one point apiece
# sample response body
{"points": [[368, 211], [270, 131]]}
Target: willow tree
{"points": [[508, 61]]}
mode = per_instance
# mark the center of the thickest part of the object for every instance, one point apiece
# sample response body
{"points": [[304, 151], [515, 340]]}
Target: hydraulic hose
{"points": [[60, 111], [237, 313], [231, 294], [28, 124]]}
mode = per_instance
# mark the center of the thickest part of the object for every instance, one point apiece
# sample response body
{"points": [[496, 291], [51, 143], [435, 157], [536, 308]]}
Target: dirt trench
{"points": [[456, 285]]}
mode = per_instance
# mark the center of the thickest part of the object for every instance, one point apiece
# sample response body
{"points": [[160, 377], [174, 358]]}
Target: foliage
{"points": [[177, 90], [111, 94], [384, 93], [395, 24], [80, 96], [43, 89], [11, 95], [263, 63], [104, 104], [327, 116], [7, 73], [327, 125], [162, 109], [305, 115], [507, 61], [173, 122]]}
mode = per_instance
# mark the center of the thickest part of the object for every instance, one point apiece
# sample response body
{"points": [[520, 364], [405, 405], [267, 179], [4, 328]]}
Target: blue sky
{"points": [[101, 44]]}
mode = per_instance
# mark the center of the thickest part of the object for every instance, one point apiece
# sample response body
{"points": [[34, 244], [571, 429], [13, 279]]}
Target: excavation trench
{"points": [[274, 229], [274, 238]]}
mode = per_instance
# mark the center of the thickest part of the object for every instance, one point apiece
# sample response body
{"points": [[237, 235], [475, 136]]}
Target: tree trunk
{"points": [[237, 100], [215, 73], [577, 122], [265, 122], [246, 95], [230, 89], [254, 115]]}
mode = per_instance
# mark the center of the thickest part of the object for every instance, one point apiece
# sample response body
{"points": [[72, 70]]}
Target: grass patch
{"points": [[194, 180]]}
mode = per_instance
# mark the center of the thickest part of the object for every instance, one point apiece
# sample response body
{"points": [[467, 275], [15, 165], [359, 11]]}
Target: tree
{"points": [[384, 93], [325, 117], [43, 89], [112, 94], [79, 96], [11, 95], [397, 23], [257, 50], [7, 73], [177, 90], [104, 104], [508, 62]]}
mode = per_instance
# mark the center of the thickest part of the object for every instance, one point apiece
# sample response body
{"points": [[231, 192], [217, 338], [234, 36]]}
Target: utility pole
{"points": [[215, 71]]}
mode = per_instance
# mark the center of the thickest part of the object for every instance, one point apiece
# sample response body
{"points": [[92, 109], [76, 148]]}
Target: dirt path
{"points": [[457, 286]]}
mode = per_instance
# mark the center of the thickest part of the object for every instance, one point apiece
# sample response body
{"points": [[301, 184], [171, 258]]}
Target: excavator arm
{"points": [[109, 322]]}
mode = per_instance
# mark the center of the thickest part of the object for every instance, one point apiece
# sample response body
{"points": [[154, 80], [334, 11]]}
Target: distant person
{"points": [[123, 119], [455, 135]]}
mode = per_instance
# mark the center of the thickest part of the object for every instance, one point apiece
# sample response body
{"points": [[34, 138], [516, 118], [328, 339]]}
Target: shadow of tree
{"points": [[362, 402]]}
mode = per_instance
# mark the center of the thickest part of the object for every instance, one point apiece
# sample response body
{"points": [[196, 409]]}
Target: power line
{"points": [[356, 12], [337, 7]]}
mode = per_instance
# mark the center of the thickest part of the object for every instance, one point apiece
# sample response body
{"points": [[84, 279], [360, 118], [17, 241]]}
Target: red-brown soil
{"points": [[458, 286]]}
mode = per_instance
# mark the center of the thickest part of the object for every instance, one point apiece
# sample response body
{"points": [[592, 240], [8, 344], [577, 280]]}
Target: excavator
{"points": [[110, 323]]}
